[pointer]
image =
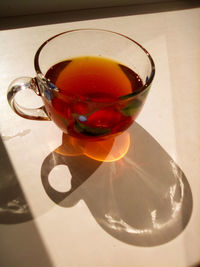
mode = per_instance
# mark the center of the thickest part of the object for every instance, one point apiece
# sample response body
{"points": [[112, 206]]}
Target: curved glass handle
{"points": [[24, 83]]}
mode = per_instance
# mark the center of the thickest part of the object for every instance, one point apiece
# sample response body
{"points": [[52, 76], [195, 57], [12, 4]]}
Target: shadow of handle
{"points": [[55, 195], [82, 165], [48, 165]]}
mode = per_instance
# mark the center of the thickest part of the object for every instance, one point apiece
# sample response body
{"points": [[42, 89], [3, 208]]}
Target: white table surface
{"points": [[142, 210]]}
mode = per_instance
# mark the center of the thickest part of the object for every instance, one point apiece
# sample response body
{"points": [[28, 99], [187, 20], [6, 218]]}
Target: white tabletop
{"points": [[142, 210]]}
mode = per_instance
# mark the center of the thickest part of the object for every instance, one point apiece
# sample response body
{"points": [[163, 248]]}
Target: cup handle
{"points": [[24, 83]]}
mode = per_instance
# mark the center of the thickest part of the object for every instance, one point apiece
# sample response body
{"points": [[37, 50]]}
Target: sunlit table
{"points": [[63, 209]]}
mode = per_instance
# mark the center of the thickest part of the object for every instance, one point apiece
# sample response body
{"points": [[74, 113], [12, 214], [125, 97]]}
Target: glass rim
{"points": [[127, 96]]}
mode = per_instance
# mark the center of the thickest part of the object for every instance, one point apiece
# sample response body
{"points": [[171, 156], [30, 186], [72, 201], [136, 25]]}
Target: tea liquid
{"points": [[86, 80]]}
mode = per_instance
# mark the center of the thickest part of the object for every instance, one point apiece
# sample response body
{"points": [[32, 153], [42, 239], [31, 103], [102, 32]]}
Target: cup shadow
{"points": [[143, 199]]}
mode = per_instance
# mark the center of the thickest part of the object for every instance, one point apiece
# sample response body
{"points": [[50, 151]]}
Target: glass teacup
{"points": [[93, 83]]}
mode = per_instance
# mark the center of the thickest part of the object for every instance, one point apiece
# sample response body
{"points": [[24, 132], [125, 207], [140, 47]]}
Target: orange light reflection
{"points": [[108, 150], [70, 146]]}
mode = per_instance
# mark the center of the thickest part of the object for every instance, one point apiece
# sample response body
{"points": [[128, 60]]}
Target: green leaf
{"points": [[91, 131], [145, 93], [132, 107]]}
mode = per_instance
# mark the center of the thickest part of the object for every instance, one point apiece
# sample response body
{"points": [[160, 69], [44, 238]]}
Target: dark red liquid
{"points": [[87, 86]]}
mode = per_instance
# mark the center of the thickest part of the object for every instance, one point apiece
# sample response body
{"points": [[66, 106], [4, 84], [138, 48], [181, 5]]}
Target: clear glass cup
{"points": [[113, 116]]}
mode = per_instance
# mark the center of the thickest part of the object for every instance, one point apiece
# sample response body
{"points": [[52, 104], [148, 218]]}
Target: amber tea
{"points": [[85, 80]]}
